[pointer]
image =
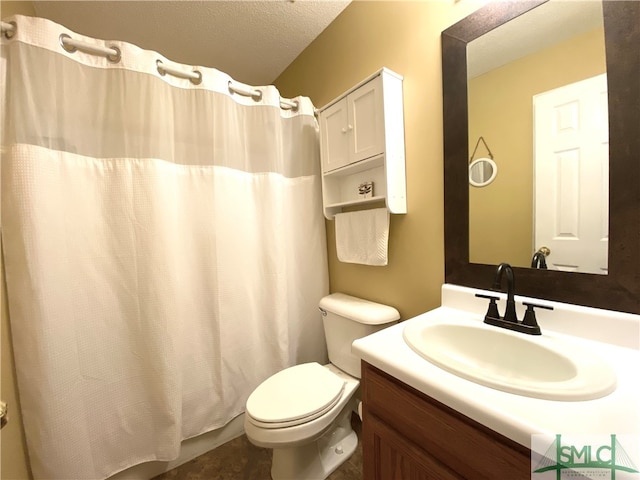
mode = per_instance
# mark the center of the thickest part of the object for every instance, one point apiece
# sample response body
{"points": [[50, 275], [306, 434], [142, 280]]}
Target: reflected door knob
{"points": [[546, 251], [3, 414]]}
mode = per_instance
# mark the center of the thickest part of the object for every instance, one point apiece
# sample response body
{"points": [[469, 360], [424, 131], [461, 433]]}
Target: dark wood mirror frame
{"points": [[620, 289]]}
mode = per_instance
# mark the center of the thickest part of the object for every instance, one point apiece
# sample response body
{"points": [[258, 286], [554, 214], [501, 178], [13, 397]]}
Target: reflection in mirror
{"points": [[508, 68], [482, 171], [618, 290]]}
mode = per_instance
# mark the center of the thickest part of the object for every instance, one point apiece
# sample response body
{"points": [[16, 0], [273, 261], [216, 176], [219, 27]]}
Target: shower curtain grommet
{"points": [[66, 46], [245, 91], [159, 65], [9, 34], [196, 81], [116, 57]]}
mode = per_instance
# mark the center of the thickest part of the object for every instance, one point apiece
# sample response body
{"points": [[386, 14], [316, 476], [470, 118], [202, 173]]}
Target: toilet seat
{"points": [[294, 396]]}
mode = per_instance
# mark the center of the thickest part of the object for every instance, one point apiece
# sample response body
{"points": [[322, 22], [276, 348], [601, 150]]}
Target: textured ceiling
{"points": [[253, 41], [546, 25]]}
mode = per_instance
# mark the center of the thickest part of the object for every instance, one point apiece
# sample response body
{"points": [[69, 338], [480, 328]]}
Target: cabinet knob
{"points": [[344, 130], [350, 127]]}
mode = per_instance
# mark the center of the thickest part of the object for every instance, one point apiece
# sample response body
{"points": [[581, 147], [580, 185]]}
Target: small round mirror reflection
{"points": [[482, 171]]}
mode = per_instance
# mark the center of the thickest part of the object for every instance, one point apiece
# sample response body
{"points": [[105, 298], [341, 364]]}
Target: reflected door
{"points": [[571, 162]]}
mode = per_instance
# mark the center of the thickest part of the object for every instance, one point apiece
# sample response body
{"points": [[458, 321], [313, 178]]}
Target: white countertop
{"points": [[614, 336]]}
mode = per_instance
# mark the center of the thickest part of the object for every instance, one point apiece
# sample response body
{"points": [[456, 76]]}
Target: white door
{"points": [[571, 172]]}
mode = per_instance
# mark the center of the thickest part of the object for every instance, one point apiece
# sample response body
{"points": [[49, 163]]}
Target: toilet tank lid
{"points": [[359, 310]]}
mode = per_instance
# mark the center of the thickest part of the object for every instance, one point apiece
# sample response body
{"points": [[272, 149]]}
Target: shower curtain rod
{"points": [[113, 54]]}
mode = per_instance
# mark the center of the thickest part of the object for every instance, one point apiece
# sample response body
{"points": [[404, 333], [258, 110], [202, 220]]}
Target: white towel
{"points": [[363, 236]]}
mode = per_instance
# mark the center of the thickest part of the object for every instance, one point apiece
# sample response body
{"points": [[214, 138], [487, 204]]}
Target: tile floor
{"points": [[241, 460]]}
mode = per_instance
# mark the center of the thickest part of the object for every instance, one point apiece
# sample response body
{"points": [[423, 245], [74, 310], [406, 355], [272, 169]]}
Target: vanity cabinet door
{"points": [[389, 456], [403, 428]]}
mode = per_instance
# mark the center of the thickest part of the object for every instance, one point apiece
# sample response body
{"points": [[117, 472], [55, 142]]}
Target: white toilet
{"points": [[304, 412]]}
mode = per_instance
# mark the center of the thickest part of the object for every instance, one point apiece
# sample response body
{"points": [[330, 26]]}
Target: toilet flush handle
{"points": [[323, 311]]}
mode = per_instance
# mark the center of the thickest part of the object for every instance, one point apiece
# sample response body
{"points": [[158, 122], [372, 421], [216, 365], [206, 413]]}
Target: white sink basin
{"points": [[545, 366]]}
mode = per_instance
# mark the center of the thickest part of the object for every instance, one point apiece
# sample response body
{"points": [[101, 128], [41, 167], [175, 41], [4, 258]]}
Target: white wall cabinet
{"points": [[344, 143], [361, 141]]}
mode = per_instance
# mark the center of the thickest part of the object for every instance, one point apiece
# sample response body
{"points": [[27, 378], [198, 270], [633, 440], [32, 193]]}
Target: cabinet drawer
{"points": [[470, 449]]}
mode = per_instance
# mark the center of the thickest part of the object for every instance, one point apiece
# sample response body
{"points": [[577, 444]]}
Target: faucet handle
{"points": [[492, 311], [530, 315]]}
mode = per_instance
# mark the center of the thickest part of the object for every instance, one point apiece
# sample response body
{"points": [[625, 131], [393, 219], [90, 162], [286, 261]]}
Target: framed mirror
{"points": [[619, 289]]}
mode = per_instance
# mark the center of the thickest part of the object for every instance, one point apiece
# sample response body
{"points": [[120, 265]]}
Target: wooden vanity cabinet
{"points": [[408, 435]]}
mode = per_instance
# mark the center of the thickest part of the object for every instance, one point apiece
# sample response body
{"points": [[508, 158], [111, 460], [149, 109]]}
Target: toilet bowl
{"points": [[326, 423], [304, 412]]}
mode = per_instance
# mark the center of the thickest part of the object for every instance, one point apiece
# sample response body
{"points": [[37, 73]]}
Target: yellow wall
{"points": [[13, 456], [501, 111], [405, 37]]}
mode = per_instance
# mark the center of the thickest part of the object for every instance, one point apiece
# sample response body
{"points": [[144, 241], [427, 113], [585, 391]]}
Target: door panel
{"points": [[571, 158], [335, 137], [366, 120]]}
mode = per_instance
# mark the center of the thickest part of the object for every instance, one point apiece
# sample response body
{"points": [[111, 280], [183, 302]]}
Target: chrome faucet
{"points": [[510, 321], [538, 260]]}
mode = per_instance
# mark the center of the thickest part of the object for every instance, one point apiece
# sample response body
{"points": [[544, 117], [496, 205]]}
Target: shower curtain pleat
{"points": [[164, 249]]}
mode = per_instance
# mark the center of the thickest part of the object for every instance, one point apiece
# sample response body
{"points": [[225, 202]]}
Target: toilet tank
{"points": [[348, 318]]}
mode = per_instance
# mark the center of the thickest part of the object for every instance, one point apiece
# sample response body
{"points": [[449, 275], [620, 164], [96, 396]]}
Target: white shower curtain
{"points": [[164, 248]]}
